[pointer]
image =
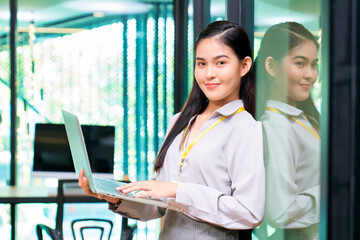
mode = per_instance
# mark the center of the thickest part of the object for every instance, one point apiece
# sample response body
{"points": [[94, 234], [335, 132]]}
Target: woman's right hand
{"points": [[84, 184]]}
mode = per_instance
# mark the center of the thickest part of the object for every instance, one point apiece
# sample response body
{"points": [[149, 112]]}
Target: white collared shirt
{"points": [[292, 162], [223, 176]]}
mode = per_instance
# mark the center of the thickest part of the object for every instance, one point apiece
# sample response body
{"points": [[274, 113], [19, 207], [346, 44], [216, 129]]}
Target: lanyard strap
{"points": [[272, 109], [187, 150]]}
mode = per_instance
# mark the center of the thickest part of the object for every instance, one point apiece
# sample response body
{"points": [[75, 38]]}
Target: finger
{"points": [[139, 187], [108, 198], [81, 175], [129, 185], [87, 189], [111, 199], [144, 194], [125, 186]]}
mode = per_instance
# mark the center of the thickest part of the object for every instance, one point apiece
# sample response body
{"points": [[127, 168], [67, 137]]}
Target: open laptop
{"points": [[81, 161]]}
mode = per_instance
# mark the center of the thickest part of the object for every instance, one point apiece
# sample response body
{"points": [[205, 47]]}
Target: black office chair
{"points": [[57, 233], [53, 233], [79, 226]]}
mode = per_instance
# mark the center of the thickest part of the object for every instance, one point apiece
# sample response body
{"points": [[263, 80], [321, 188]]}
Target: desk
{"points": [[15, 195]]}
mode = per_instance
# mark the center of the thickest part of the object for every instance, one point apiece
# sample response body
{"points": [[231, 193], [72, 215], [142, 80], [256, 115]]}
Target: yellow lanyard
{"points": [[272, 109], [187, 150]]}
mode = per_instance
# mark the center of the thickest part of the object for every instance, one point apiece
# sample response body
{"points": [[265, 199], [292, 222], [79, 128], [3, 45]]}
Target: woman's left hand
{"points": [[150, 188]]}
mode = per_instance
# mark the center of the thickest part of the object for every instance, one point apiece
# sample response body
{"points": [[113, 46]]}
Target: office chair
{"points": [[57, 233], [53, 233], [80, 225]]}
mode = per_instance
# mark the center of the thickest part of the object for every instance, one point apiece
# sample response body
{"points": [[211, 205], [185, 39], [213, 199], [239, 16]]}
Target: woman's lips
{"points": [[212, 85], [306, 86]]}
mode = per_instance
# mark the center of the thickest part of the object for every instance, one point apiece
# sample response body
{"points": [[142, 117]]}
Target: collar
{"points": [[228, 108], [225, 110], [285, 108]]}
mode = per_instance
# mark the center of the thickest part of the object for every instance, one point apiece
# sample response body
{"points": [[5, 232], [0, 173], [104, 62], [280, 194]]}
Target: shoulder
{"points": [[272, 120], [245, 119], [244, 124], [173, 119]]}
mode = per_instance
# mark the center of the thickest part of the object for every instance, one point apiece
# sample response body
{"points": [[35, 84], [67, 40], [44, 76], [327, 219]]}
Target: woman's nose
{"points": [[310, 72], [210, 73]]}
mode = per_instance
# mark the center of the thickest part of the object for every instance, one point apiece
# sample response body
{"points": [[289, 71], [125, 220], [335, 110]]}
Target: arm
{"points": [[243, 208], [128, 209], [286, 205], [141, 211]]}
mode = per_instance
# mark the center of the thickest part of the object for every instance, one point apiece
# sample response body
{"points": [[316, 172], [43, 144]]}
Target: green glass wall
{"points": [[5, 94], [111, 63], [114, 69], [291, 153]]}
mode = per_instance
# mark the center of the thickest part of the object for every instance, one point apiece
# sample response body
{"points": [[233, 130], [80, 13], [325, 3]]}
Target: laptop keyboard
{"points": [[109, 186]]}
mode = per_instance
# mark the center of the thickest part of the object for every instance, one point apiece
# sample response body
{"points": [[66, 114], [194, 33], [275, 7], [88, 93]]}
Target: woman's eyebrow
{"points": [[217, 57], [301, 57], [221, 56], [305, 58]]}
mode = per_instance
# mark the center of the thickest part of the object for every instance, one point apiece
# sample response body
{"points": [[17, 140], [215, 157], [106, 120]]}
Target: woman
{"points": [[286, 71], [210, 166]]}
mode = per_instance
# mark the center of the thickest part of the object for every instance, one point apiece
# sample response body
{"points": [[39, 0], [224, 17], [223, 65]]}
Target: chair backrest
{"points": [[54, 234], [80, 226]]}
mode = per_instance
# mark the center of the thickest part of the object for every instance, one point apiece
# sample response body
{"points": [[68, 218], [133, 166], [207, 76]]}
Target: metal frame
{"points": [[13, 90], [343, 142], [235, 13], [180, 68], [201, 16]]}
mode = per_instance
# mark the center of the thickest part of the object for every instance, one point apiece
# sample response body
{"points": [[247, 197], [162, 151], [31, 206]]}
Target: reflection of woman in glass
{"points": [[286, 71], [210, 166]]}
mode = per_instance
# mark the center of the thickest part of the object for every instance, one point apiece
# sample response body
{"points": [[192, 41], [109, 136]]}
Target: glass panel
{"points": [[5, 227], [28, 215], [289, 100], [89, 210], [4, 94], [217, 10], [190, 46], [89, 60]]}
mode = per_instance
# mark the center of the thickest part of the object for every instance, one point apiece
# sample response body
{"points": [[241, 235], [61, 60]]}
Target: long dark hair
{"points": [[276, 43], [233, 36]]}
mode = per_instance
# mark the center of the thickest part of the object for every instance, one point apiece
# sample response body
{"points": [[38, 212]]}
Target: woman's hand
{"points": [[84, 184], [150, 188]]}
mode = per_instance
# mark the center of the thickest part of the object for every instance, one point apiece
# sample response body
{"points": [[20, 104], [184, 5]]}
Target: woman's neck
{"points": [[278, 96], [284, 99], [212, 107]]}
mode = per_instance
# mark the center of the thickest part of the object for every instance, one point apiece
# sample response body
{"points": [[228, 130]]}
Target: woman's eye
{"points": [[314, 65], [220, 63], [300, 64], [201, 64]]}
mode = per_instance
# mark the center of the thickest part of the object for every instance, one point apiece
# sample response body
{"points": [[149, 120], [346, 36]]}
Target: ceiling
{"points": [[267, 12]]}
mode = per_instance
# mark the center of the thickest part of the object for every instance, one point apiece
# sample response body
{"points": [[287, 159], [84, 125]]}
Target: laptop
{"points": [[81, 161]]}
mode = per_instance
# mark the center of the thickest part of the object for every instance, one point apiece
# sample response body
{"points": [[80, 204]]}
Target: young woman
{"points": [[210, 167], [286, 71]]}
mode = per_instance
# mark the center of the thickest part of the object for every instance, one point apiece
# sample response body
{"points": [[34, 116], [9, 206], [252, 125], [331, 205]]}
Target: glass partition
{"points": [[4, 94], [217, 10], [111, 64], [287, 47]]}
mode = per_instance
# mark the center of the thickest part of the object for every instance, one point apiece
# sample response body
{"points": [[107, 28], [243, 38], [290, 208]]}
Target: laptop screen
{"points": [[52, 152]]}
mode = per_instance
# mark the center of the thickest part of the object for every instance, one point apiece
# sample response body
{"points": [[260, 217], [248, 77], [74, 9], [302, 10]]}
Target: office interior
{"points": [[128, 64]]}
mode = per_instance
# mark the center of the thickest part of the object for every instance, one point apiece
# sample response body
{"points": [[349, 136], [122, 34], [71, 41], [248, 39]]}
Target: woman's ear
{"points": [[245, 66], [270, 66]]}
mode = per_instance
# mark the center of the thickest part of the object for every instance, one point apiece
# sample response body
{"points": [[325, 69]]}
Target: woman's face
{"points": [[218, 71], [297, 73]]}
